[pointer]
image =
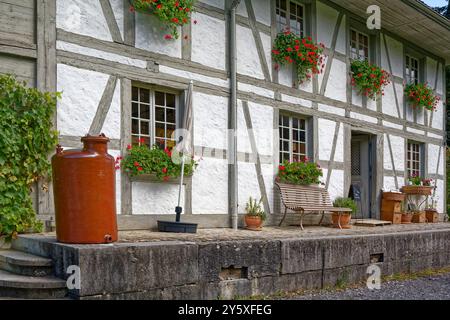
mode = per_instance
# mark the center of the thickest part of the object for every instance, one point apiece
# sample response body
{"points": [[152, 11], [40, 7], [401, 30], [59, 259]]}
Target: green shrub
{"points": [[346, 203], [26, 140], [301, 172]]}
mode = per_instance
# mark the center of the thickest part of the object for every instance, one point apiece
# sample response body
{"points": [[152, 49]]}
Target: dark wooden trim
{"points": [[391, 154], [125, 140], [129, 24], [103, 106], [386, 48], [333, 152], [186, 42], [111, 21]]}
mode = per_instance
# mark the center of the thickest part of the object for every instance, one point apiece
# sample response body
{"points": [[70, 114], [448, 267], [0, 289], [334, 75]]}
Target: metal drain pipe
{"points": [[232, 118]]}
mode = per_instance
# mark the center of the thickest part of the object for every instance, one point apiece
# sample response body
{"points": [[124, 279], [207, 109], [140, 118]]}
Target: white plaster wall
{"points": [[440, 196], [242, 9], [389, 184], [285, 75], [332, 110], [339, 153], [249, 88], [82, 17], [111, 127], [363, 117], [440, 84], [262, 11], [269, 176], [356, 98], [398, 151], [389, 105], [81, 93], [208, 41], [266, 41], [247, 56], [433, 156], [336, 187], [210, 187], [439, 116], [243, 141], [296, 100], [392, 125], [431, 71], [194, 76], [341, 43], [395, 49], [336, 86], [150, 36], [262, 123], [327, 18], [326, 135], [248, 184], [210, 120], [155, 198]]}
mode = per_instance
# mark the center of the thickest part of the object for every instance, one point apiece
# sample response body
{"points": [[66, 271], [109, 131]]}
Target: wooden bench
{"points": [[307, 200]]}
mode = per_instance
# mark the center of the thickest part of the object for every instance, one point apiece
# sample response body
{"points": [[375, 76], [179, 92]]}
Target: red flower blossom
{"points": [[164, 170], [136, 164], [282, 168], [168, 36], [140, 169], [159, 6], [129, 147]]}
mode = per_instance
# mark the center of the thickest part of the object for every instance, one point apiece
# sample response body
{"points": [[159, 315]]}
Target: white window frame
{"points": [[288, 16], [291, 136], [410, 163], [358, 56], [152, 103], [408, 69]]}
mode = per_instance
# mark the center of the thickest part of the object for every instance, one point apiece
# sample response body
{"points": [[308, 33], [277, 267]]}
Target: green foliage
{"points": [[346, 203], [290, 48], [144, 160], [254, 209], [26, 140], [173, 13], [302, 172], [421, 95], [369, 79]]}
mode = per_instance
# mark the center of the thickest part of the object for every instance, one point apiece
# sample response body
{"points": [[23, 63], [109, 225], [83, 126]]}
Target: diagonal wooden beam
{"points": [[326, 75], [397, 104], [437, 170], [333, 152], [392, 160], [257, 37], [251, 135], [103, 106], [111, 21]]}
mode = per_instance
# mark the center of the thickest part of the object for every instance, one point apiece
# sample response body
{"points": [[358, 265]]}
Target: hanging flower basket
{"points": [[370, 80], [303, 52], [421, 96], [173, 13]]}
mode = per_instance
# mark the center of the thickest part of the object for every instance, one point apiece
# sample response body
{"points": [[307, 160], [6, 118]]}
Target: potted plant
{"points": [[422, 96], [301, 172], [431, 212], [406, 215], [419, 216], [343, 219], [370, 80], [418, 186], [153, 162], [255, 215]]}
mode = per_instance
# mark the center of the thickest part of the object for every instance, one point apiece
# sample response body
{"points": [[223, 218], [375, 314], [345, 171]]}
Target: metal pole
{"points": [[179, 209], [232, 144]]}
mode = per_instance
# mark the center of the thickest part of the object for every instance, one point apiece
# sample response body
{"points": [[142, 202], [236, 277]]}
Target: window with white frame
{"points": [[412, 70], [359, 45], [290, 15], [414, 159], [153, 116], [293, 138]]}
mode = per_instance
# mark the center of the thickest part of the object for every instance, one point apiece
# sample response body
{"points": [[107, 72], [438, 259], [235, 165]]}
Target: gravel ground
{"points": [[427, 288]]}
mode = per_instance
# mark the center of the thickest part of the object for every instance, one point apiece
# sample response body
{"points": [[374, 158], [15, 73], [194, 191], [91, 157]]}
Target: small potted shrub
{"points": [[301, 172], [406, 215], [345, 217], [255, 215]]}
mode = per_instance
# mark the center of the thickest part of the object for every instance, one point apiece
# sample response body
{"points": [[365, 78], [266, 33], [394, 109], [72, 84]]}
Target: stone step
{"points": [[24, 263], [27, 287]]}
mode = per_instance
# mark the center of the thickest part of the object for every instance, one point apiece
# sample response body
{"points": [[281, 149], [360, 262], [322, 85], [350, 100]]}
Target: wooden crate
{"points": [[432, 216], [391, 206], [419, 217], [394, 217]]}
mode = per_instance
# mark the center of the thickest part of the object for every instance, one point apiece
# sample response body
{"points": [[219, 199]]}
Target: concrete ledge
{"points": [[211, 269]]}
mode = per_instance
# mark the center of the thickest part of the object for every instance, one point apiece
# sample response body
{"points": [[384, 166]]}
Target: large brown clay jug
{"points": [[84, 192]]}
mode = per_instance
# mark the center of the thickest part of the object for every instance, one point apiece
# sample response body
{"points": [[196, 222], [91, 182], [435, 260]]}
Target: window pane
{"points": [[170, 115], [134, 95], [135, 126], [159, 130], [295, 135], [145, 127], [295, 123], [302, 148], [145, 111], [285, 121], [170, 130], [159, 114], [135, 110], [144, 95], [170, 100], [303, 124], [159, 98], [302, 136]]}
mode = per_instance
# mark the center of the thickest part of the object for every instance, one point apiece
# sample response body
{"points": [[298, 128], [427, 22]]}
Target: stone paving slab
{"points": [[267, 233]]}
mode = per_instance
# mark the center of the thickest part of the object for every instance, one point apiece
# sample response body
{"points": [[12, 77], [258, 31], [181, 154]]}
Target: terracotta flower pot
{"points": [[418, 190], [432, 216], [406, 218], [419, 217], [253, 222], [345, 219]]}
